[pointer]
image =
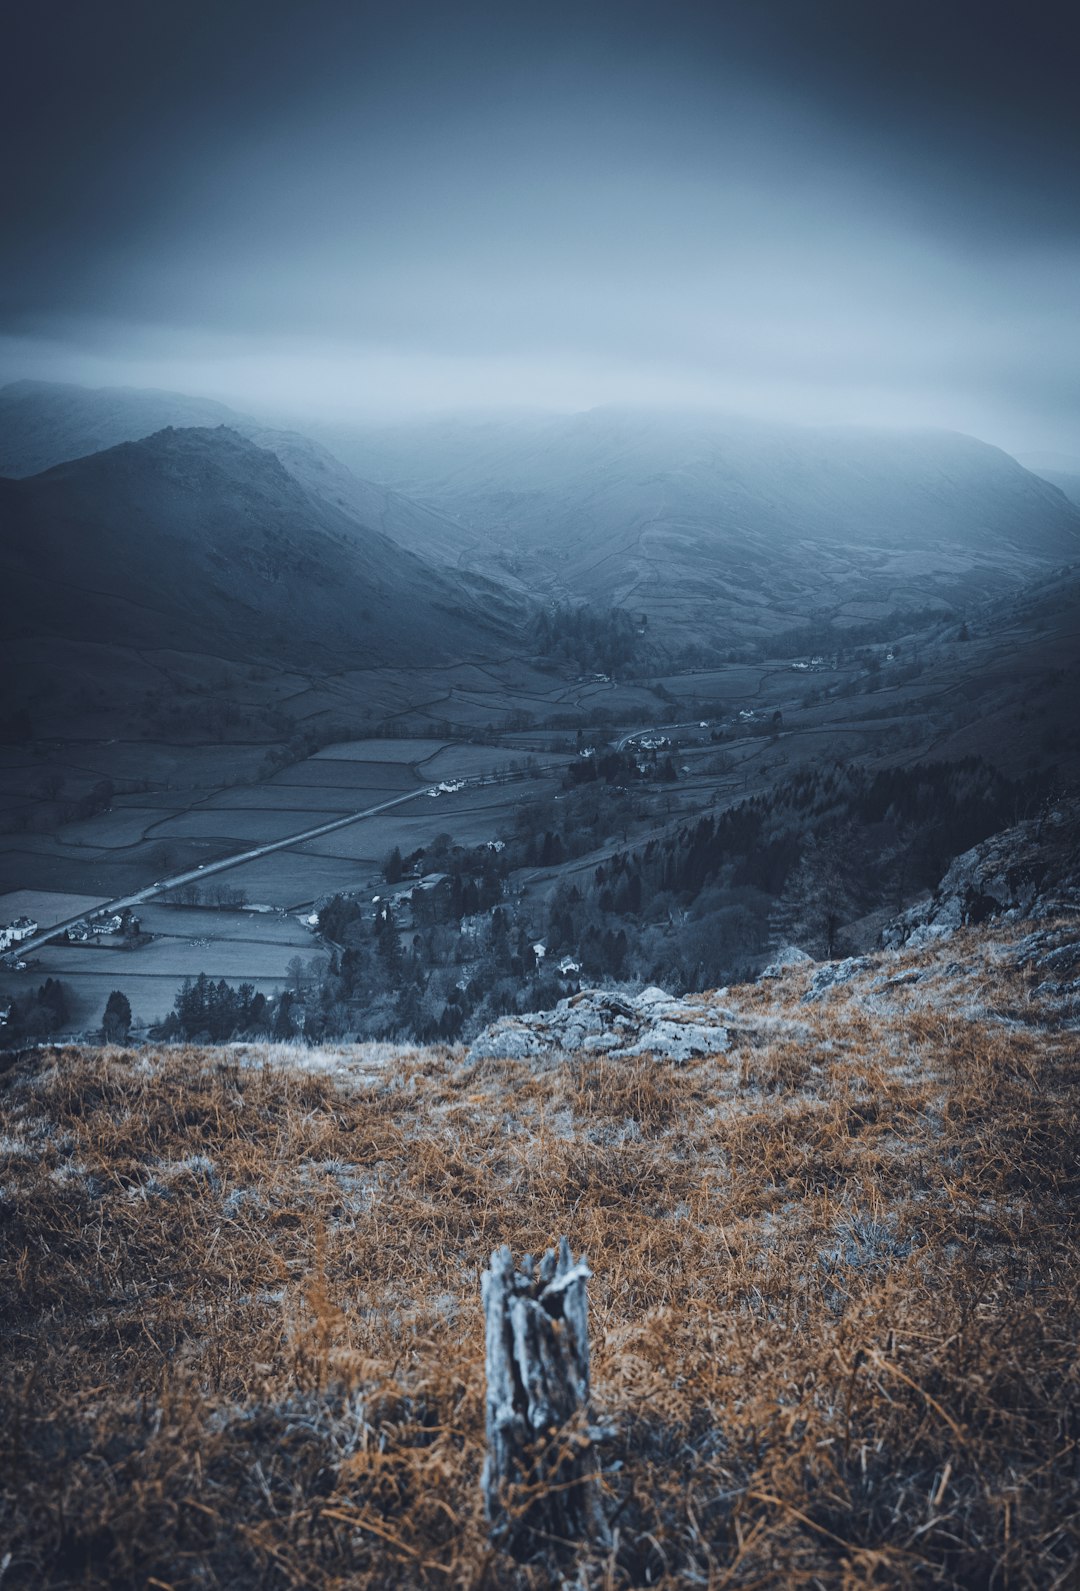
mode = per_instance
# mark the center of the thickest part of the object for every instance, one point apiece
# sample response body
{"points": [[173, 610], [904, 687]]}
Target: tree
{"points": [[117, 1020], [388, 946], [820, 894], [51, 997], [393, 867], [284, 1025]]}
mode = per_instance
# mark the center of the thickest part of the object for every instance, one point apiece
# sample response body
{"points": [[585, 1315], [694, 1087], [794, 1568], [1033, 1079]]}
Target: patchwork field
{"points": [[291, 878], [406, 753], [242, 828], [203, 923], [121, 828], [56, 868], [274, 797], [241, 946], [471, 816], [476, 762], [174, 808], [331, 773]]}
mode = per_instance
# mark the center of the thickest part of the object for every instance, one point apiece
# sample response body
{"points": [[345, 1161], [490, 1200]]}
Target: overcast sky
{"points": [[821, 210]]}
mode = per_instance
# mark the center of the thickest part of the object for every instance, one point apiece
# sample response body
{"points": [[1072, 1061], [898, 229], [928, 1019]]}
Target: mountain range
{"points": [[428, 539], [723, 529]]}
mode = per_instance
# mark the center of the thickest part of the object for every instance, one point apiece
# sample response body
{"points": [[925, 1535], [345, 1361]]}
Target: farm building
{"points": [[15, 932]]}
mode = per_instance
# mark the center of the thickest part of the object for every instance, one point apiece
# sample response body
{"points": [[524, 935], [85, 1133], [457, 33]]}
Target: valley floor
{"points": [[178, 809], [835, 1304]]}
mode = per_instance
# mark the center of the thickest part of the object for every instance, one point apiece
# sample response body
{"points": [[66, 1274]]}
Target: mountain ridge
{"points": [[716, 533], [677, 517], [241, 553], [47, 423]]}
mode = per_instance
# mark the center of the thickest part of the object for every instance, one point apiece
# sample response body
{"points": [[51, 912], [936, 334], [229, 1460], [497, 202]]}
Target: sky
{"points": [[828, 211]]}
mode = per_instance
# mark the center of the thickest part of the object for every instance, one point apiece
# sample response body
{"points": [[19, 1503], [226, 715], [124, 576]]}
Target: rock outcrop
{"points": [[598, 1020], [832, 974], [1030, 871], [790, 956]]}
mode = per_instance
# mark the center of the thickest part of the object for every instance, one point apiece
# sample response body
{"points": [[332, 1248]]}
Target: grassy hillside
{"points": [[835, 1304], [198, 539], [45, 423]]}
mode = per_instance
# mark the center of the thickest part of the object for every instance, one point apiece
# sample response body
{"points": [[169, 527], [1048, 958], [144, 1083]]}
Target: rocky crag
{"points": [[1029, 871]]}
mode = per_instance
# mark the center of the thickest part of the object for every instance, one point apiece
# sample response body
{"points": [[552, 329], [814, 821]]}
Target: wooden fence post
{"points": [[541, 1489]]}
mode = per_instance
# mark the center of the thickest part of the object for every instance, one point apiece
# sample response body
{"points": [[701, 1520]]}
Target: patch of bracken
{"points": [[835, 1306]]}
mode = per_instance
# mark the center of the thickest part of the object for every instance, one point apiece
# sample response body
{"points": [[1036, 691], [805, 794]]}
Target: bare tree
{"points": [[820, 896]]}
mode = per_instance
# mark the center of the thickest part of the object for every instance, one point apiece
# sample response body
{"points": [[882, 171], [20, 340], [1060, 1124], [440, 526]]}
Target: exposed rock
{"points": [[680, 1041], [835, 973], [508, 1040], [650, 1023], [904, 979], [1032, 870], [790, 956]]}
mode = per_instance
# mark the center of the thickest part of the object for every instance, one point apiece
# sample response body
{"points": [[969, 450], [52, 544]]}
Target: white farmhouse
{"points": [[15, 932]]}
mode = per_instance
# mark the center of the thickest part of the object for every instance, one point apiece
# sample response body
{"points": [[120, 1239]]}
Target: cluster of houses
{"points": [[15, 932], [567, 967], [106, 922]]}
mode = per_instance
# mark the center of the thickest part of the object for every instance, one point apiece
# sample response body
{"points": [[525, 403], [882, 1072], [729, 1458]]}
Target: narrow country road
{"points": [[197, 874]]}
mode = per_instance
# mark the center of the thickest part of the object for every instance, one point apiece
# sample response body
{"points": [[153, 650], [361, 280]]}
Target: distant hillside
{"points": [[1065, 482], [198, 539], [727, 530], [45, 423], [1060, 469], [718, 532]]}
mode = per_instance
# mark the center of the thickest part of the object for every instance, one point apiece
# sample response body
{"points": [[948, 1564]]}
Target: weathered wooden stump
{"points": [[541, 1487]]}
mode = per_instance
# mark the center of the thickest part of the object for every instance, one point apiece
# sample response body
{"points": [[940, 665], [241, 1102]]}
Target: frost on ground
{"points": [[834, 1310]]}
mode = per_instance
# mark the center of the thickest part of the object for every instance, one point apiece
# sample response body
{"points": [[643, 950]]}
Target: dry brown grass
{"points": [[835, 1308]]}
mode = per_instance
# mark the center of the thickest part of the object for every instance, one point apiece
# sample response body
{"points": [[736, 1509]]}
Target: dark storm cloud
{"points": [[823, 209]]}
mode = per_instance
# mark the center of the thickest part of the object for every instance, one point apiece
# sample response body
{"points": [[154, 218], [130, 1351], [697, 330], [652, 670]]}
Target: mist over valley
{"points": [[539, 805]]}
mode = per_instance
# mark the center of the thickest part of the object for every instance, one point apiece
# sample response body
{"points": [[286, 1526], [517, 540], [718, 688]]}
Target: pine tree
{"points": [[388, 946], [116, 1023]]}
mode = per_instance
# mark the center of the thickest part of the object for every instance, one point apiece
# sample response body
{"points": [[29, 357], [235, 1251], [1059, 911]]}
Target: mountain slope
{"points": [[47, 423], [731, 528], [44, 423], [718, 531], [200, 540], [1060, 469]]}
